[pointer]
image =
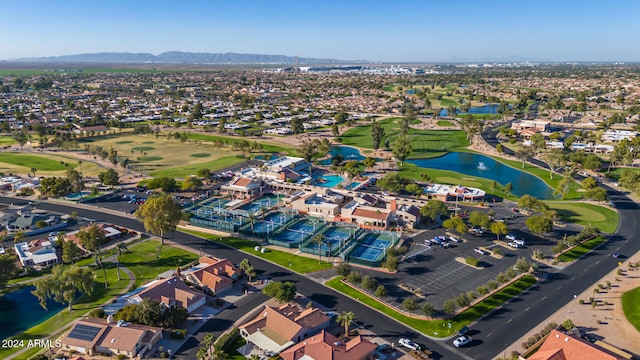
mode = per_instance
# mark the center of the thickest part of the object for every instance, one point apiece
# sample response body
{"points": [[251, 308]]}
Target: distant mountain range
{"points": [[179, 57]]}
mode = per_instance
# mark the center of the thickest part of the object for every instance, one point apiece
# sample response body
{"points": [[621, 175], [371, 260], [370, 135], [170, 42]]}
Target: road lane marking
{"points": [[543, 298], [527, 309], [510, 320], [489, 335]]}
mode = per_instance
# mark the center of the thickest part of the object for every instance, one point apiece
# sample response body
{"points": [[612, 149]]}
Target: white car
{"points": [[511, 237], [454, 239], [514, 244], [409, 344], [461, 341], [520, 242]]}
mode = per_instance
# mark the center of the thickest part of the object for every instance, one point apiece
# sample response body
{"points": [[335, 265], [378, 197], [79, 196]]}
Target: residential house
{"points": [[561, 346], [28, 220], [37, 253], [171, 292], [100, 336], [325, 346], [213, 275], [278, 328]]}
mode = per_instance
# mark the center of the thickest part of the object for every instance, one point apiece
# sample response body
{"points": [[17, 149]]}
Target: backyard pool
{"points": [[78, 196]]}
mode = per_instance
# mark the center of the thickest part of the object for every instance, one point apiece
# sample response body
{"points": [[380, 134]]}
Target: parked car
{"points": [[409, 344], [520, 242], [444, 244], [514, 244], [462, 341], [454, 239], [464, 331], [511, 237]]}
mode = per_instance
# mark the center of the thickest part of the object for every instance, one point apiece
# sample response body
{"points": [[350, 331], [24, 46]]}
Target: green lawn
{"points": [[33, 161], [425, 143], [581, 249], [7, 140], [448, 102], [444, 123], [438, 328], [300, 264], [615, 173], [232, 350], [630, 301], [213, 165], [266, 145], [585, 214], [149, 258]]}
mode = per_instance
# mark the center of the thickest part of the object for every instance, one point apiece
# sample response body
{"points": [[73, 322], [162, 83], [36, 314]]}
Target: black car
{"points": [[463, 331]]}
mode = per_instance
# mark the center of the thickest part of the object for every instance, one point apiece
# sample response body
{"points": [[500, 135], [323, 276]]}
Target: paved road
{"points": [[501, 327], [379, 324]]}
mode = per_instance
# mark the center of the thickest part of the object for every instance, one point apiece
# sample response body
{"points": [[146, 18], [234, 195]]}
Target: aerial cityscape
{"points": [[319, 181]]}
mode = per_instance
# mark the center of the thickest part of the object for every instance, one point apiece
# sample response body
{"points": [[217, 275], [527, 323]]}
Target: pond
{"points": [[20, 310], [347, 152], [478, 110], [485, 167]]}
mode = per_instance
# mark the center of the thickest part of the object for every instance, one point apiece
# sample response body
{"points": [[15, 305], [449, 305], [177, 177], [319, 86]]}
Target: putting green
{"points": [[143, 148], [124, 142], [585, 214], [200, 155]]}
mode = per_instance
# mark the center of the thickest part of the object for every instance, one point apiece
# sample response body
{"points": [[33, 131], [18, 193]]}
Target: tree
{"points": [[377, 133], [8, 269], [109, 177], [63, 285], [381, 291], [121, 248], [251, 219], [449, 307], [401, 148], [597, 193], [589, 183], [70, 252], [280, 291], [335, 130], [191, 182], [410, 304], [498, 228], [539, 224], [524, 154], [204, 173], [309, 149], [508, 187], [369, 162], [209, 342], [19, 236], [390, 262], [479, 218], [367, 283], [160, 215], [318, 240], [392, 182], [20, 137], [75, 179], [165, 183], [92, 239], [556, 159], [455, 223], [55, 186], [413, 189], [297, 126], [346, 319], [427, 308], [433, 209]]}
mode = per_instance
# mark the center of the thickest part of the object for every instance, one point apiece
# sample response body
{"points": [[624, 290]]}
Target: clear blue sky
{"points": [[423, 30]]}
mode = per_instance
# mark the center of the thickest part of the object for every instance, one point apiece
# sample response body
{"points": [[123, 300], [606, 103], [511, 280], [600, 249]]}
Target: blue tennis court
{"points": [[268, 201], [372, 247], [298, 231], [271, 223]]}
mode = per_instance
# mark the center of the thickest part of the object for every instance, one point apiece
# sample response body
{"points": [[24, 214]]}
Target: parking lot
{"points": [[434, 270]]}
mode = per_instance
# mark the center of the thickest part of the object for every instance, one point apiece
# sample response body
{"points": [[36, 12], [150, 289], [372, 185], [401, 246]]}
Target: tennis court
{"points": [[268, 201], [372, 247], [298, 231], [271, 223], [332, 238]]}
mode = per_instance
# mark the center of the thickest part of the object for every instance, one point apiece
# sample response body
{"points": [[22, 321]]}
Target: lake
{"points": [[20, 310], [347, 152], [477, 165], [486, 109]]}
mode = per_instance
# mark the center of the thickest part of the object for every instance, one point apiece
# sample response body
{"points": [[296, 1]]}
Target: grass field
{"points": [[438, 328], [7, 140], [630, 301], [585, 214], [300, 264], [446, 102], [149, 258], [167, 157], [581, 249], [444, 123], [616, 172], [268, 146], [45, 164], [425, 143]]}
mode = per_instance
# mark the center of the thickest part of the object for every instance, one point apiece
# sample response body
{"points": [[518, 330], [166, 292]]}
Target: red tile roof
{"points": [[371, 214], [325, 346], [560, 346]]}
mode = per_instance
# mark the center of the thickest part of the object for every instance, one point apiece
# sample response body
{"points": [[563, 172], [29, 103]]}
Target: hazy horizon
{"points": [[412, 32]]}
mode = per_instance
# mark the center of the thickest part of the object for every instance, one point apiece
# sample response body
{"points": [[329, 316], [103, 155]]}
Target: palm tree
{"points": [[202, 354], [318, 241], [120, 248], [80, 165], [74, 215], [345, 319], [251, 218], [218, 354], [33, 171], [19, 236], [209, 341]]}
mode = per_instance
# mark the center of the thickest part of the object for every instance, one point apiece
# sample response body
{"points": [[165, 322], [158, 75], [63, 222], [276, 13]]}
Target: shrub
{"points": [[97, 313], [482, 290], [449, 307], [502, 278], [492, 285], [581, 302], [354, 277], [381, 291], [568, 324], [343, 269], [226, 339], [497, 251], [122, 356], [537, 254], [461, 300], [510, 273], [472, 261]]}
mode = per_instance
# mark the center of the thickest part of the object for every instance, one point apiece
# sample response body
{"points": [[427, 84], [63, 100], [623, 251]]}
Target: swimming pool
{"points": [[77, 196], [328, 181]]}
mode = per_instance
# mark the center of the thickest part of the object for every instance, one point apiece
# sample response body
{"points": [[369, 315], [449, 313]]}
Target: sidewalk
{"points": [[614, 328]]}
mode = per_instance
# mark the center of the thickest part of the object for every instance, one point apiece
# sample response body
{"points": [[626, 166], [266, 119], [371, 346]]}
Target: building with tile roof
{"points": [[562, 346], [171, 292], [37, 253], [213, 275], [100, 336], [278, 328], [325, 346]]}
